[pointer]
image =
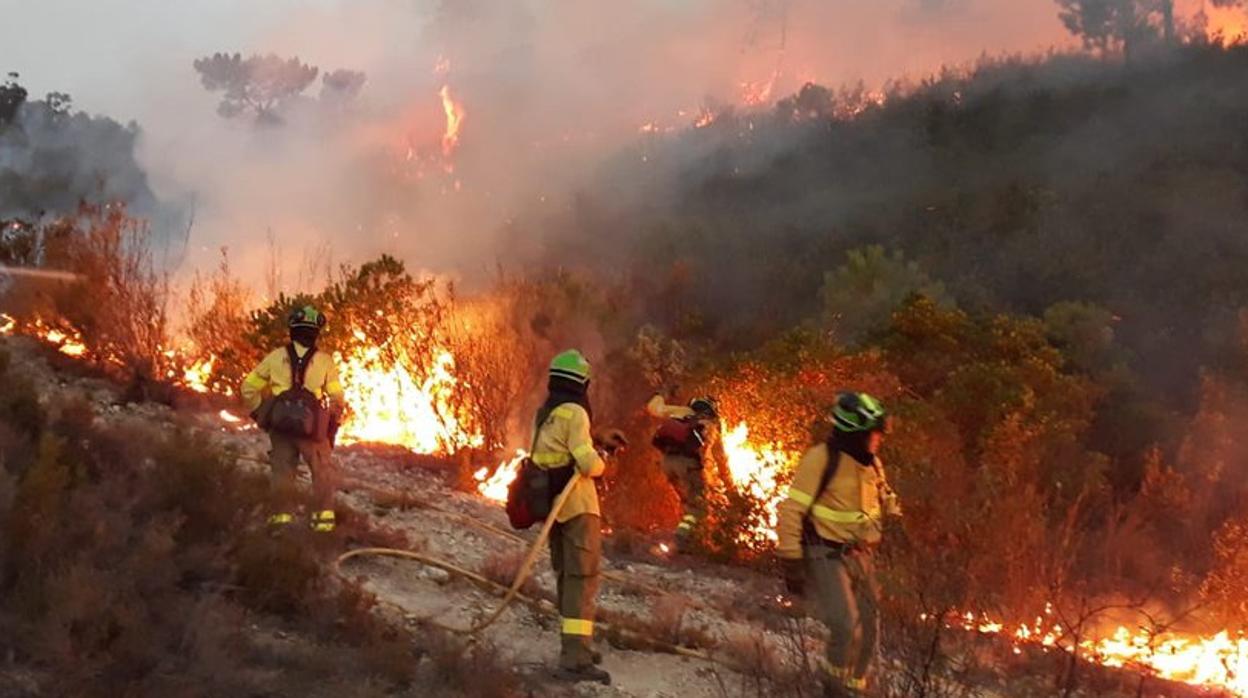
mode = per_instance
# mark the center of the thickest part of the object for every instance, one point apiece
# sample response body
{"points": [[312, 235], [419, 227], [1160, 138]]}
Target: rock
{"points": [[436, 575]]}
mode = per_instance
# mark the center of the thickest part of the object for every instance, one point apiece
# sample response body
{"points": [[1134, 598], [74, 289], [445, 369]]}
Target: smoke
{"points": [[549, 92]]}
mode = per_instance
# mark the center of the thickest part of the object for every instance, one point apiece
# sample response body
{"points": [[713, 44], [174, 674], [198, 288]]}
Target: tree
{"points": [[860, 296], [1106, 25], [12, 97], [261, 85], [341, 87]]}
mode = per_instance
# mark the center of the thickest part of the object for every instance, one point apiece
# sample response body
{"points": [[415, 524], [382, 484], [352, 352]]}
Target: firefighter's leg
{"points": [[581, 550], [837, 607], [687, 481], [283, 461], [319, 457], [867, 592]]}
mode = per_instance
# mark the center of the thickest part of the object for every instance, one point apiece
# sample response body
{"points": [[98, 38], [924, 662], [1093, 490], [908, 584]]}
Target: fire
{"points": [[68, 342], [197, 375], [1215, 661], [454, 120], [494, 487], [1228, 25], [756, 470], [390, 405], [7, 324]]}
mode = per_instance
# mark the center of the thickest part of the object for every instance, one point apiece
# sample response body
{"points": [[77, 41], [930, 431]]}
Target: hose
{"points": [[490, 528], [511, 594]]}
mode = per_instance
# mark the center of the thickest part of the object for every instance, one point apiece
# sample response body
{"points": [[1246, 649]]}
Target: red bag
{"points": [[678, 437], [528, 496]]}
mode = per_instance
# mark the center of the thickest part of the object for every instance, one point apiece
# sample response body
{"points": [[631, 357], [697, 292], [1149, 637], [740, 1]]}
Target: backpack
{"points": [[532, 494], [678, 437], [297, 412]]}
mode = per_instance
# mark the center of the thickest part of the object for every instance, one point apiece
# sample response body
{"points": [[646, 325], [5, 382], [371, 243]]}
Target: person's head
{"points": [[305, 325], [860, 418], [569, 372], [704, 407]]}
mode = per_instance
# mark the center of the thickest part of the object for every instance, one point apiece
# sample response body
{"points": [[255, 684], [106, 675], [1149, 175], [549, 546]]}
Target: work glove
{"points": [[794, 572], [612, 441]]}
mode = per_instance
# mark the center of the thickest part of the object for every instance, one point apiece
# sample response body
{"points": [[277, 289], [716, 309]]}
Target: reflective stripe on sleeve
{"points": [[577, 626], [563, 412], [254, 381], [583, 451]]}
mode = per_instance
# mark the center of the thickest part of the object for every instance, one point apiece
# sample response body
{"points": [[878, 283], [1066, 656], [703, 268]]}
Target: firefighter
{"points": [[689, 440], [564, 441], [828, 528], [273, 382]]}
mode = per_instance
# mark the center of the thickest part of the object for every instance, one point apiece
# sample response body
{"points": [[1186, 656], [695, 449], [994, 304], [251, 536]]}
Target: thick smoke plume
{"points": [[549, 91]]}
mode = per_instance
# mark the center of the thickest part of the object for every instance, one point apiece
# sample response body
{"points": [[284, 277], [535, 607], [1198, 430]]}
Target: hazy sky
{"points": [[582, 75], [117, 56]]}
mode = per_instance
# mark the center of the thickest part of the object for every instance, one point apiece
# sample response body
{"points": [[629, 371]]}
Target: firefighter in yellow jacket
{"points": [[564, 444], [276, 375], [689, 440], [828, 527]]}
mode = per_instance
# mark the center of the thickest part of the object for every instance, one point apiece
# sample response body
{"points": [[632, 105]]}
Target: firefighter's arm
{"points": [[792, 510], [715, 445], [658, 407], [333, 388], [256, 383], [889, 501], [581, 444]]}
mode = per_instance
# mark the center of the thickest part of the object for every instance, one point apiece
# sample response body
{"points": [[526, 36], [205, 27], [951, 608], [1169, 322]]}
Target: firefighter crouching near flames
{"points": [[828, 527], [564, 441], [689, 440], [271, 383]]}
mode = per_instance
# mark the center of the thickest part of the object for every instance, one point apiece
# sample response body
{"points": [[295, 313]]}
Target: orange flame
{"points": [[390, 405], [494, 487], [454, 120]]}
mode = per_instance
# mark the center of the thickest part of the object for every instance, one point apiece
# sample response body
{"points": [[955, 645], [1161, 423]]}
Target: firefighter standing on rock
{"points": [[828, 527], [287, 394], [689, 440]]}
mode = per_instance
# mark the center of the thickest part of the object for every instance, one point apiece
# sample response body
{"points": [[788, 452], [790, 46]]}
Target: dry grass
{"points": [[135, 561], [501, 567]]}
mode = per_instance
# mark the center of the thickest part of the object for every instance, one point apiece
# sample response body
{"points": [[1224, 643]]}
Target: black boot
{"points": [[588, 672]]}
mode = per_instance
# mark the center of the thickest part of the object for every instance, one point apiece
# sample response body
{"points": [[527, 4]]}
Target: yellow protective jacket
{"points": [[851, 509], [564, 440], [273, 376], [712, 447]]}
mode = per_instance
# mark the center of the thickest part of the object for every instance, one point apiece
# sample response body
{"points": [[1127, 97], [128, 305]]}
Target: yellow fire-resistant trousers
{"points": [[845, 596], [576, 555], [284, 462], [687, 477]]}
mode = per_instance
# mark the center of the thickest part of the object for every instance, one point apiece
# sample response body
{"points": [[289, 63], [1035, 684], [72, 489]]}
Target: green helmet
{"points": [[855, 412], [307, 316], [572, 365]]}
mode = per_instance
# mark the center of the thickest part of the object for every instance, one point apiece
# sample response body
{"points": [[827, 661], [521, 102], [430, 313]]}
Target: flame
{"points": [[755, 470], [7, 324], [197, 375], [229, 417], [454, 119], [1227, 25], [494, 487], [389, 405], [68, 342], [1214, 661]]}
